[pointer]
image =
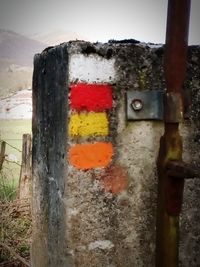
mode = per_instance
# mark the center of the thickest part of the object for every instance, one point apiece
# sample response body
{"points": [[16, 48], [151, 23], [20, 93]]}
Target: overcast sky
{"points": [[97, 20]]}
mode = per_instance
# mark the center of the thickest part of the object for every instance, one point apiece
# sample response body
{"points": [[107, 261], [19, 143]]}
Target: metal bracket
{"points": [[157, 105], [145, 105]]}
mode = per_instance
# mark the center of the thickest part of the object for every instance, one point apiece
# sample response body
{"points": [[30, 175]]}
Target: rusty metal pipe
{"points": [[176, 43], [170, 190]]}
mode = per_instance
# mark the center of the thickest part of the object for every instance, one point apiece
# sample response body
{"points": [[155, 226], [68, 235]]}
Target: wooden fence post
{"points": [[2, 154], [25, 174]]}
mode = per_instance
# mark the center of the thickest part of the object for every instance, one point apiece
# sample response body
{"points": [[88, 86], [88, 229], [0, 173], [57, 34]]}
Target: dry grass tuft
{"points": [[15, 233]]}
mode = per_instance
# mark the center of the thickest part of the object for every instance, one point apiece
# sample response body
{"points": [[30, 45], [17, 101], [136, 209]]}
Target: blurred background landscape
{"points": [[16, 69], [27, 28]]}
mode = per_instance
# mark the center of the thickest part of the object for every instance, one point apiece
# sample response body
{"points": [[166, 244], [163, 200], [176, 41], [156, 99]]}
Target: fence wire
{"points": [[11, 145], [5, 156]]}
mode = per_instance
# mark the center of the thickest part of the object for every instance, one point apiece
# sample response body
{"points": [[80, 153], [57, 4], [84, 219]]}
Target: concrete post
{"points": [[94, 172]]}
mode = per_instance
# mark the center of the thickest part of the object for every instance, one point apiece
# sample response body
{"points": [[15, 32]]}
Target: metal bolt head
{"points": [[137, 104]]}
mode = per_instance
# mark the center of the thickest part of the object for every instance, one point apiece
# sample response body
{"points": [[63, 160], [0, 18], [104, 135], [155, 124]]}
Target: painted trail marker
{"points": [[90, 104], [90, 97], [89, 124], [88, 156]]}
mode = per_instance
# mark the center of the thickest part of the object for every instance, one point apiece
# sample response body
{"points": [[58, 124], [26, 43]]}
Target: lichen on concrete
{"points": [[190, 228]]}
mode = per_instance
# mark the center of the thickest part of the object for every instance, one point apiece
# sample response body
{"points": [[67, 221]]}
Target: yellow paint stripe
{"points": [[89, 124]]}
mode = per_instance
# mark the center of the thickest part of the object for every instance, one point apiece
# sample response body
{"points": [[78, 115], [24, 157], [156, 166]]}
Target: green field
{"points": [[12, 131]]}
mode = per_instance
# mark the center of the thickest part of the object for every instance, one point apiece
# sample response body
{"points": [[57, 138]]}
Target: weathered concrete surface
{"points": [[49, 158], [190, 228], [110, 213]]}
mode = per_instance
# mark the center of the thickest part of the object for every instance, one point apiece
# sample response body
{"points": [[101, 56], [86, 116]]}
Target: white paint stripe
{"points": [[92, 68]]}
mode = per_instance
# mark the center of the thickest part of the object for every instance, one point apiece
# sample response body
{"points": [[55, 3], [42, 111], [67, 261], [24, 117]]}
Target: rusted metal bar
{"points": [[181, 170], [170, 190], [176, 43]]}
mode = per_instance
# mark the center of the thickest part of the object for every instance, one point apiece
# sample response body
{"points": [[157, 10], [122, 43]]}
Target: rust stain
{"points": [[114, 179]]}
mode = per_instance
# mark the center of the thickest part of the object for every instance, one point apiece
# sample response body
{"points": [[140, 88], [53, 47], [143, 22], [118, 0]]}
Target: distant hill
{"points": [[17, 49], [58, 37], [16, 61], [16, 57]]}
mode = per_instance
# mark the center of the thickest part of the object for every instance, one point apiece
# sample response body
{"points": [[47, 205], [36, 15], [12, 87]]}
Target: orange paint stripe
{"points": [[88, 156]]}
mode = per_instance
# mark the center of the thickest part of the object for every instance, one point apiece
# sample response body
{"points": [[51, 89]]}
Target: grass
{"points": [[8, 188], [14, 129], [15, 232], [11, 131], [15, 219], [15, 224]]}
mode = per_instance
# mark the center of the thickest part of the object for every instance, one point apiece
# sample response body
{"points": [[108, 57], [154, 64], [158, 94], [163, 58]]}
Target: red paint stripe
{"points": [[91, 97]]}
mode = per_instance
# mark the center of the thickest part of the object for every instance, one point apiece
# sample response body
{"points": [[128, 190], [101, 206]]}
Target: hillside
{"points": [[16, 57], [16, 49], [16, 61]]}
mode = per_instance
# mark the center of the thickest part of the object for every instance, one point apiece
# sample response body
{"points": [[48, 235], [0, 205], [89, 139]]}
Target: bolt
{"points": [[137, 104]]}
